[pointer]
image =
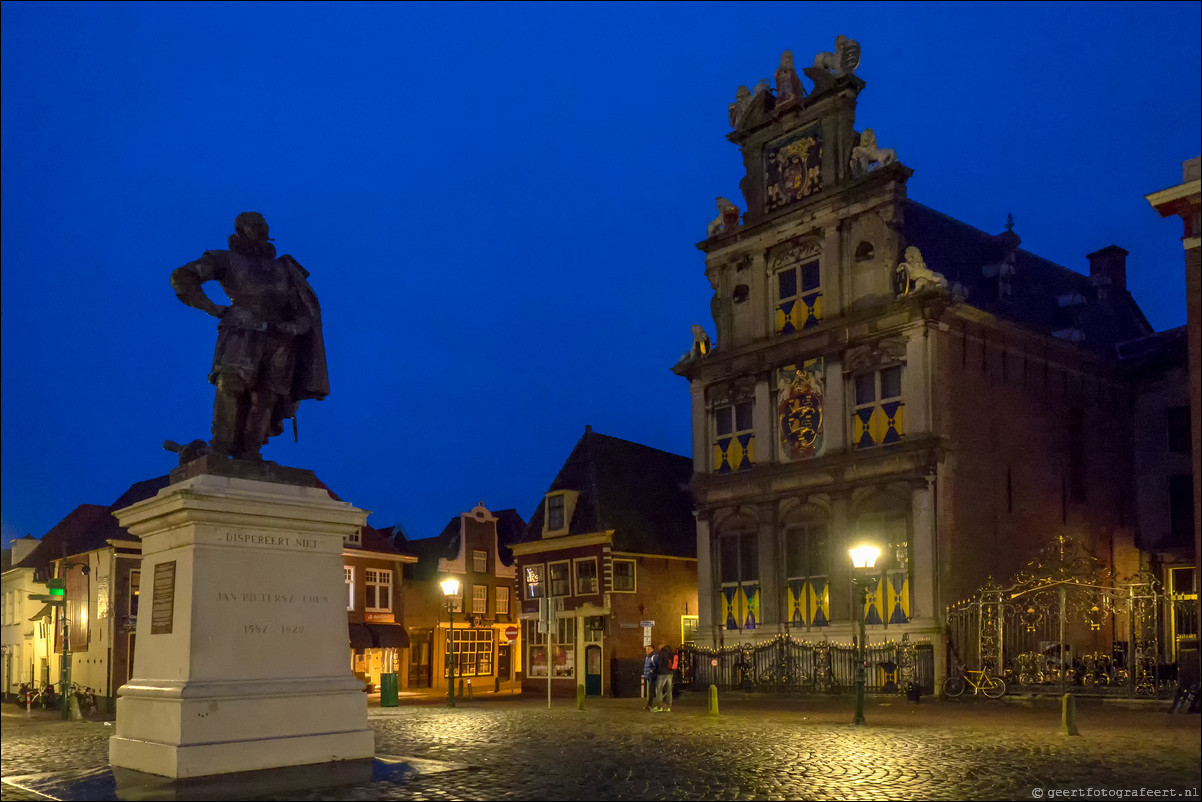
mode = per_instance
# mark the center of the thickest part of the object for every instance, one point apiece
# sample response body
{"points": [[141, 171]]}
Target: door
{"points": [[592, 670], [503, 662]]}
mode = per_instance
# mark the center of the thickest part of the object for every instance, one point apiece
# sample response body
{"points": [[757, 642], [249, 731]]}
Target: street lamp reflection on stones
{"points": [[863, 560], [450, 589]]}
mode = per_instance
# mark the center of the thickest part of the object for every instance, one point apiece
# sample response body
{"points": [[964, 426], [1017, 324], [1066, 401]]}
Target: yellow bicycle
{"points": [[981, 682]]}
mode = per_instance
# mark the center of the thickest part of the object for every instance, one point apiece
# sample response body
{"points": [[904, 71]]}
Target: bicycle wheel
{"points": [[993, 687], [953, 686]]}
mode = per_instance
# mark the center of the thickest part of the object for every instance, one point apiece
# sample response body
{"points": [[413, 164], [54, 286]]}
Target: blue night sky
{"points": [[499, 206]]}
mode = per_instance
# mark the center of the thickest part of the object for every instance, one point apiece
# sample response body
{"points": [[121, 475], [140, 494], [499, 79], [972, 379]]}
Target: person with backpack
{"points": [[665, 663], [649, 675]]}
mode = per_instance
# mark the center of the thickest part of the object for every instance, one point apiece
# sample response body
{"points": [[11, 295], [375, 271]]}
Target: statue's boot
{"points": [[258, 421], [227, 408]]}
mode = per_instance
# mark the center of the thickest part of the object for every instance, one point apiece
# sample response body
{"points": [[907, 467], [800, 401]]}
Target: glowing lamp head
{"points": [[864, 556], [450, 587]]}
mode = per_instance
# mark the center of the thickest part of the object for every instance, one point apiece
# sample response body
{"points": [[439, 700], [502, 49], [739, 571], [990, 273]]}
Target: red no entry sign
{"points": [[511, 634]]}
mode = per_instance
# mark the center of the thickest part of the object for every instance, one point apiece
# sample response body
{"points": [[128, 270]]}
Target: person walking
{"points": [[649, 675], [663, 679]]}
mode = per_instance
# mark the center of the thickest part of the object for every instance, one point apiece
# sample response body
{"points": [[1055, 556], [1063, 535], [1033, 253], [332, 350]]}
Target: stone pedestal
{"points": [[242, 656]]}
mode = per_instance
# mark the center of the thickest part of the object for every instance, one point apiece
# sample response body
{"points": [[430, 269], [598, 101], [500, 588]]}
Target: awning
{"points": [[42, 613], [360, 637], [389, 636]]}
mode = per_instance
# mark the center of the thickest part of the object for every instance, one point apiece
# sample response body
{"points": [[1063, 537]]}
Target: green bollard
{"points": [[713, 700], [1068, 715], [579, 697]]}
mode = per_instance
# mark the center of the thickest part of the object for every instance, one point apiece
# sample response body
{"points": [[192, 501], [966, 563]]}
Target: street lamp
{"points": [[863, 559], [450, 589]]}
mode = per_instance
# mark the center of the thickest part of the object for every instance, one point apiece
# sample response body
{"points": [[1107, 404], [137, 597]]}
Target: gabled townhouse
{"points": [[90, 627], [375, 610], [612, 548], [472, 549]]}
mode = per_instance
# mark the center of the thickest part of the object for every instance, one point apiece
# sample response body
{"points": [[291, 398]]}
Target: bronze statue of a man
{"points": [[270, 355]]}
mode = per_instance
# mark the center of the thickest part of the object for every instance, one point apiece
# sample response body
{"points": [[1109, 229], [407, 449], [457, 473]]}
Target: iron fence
{"points": [[784, 664]]}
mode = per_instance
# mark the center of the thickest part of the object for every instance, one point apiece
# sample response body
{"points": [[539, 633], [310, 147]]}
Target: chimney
{"points": [[23, 547], [1108, 267]]}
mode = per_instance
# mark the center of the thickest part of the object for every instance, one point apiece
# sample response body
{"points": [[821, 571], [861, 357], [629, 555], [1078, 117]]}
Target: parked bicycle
{"points": [[85, 697], [980, 681]]}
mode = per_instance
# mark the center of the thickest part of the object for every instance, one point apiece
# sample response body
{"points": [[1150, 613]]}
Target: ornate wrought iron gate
{"points": [[786, 665], [1063, 623]]}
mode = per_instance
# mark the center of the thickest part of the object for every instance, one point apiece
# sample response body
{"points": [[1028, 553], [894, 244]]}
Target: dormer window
{"points": [[555, 512], [560, 506]]}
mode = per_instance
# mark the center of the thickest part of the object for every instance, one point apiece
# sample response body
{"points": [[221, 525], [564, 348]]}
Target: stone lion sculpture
{"points": [[914, 271], [867, 153], [701, 345], [727, 219]]}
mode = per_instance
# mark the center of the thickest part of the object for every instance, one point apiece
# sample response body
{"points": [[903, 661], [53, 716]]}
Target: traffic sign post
{"points": [[511, 635]]}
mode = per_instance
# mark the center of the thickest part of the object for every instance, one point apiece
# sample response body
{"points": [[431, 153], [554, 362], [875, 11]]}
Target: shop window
{"points": [[473, 652]]}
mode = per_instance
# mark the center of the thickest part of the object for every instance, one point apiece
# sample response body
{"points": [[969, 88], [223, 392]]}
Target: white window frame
{"points": [[502, 603], [634, 575], [567, 566], [479, 599], [479, 561], [135, 592], [540, 571], [374, 586], [560, 501], [348, 576], [581, 590]]}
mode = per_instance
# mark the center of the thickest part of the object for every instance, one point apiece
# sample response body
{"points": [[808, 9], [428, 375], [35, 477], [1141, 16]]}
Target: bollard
{"points": [[461, 689], [1068, 715], [496, 688], [713, 700], [469, 689], [579, 697]]}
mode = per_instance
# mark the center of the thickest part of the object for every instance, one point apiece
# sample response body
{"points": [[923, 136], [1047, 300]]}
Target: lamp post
{"points": [[863, 559], [450, 589]]}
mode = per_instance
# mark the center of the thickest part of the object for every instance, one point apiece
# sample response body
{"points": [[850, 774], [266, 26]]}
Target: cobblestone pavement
{"points": [[759, 748]]}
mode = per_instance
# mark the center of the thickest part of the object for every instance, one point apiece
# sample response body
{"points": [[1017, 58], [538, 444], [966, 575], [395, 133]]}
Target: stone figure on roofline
{"points": [[829, 67], [789, 90], [270, 354], [914, 274], [866, 154], [727, 219]]}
